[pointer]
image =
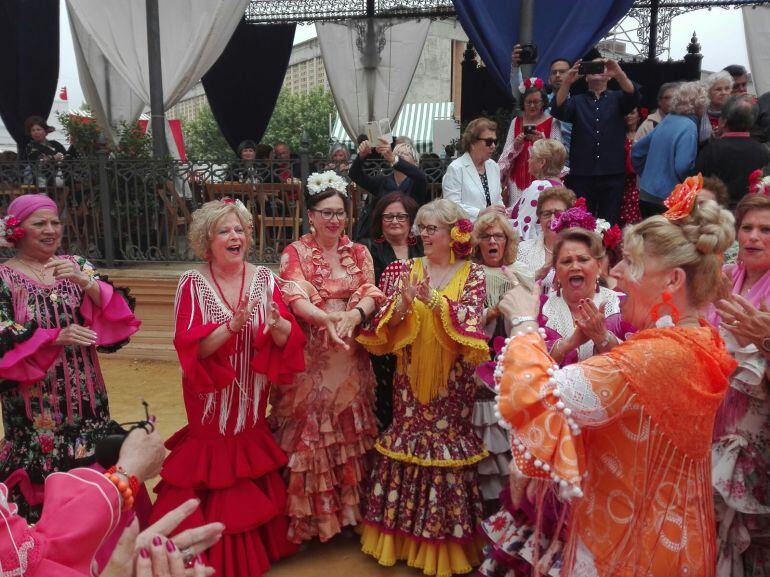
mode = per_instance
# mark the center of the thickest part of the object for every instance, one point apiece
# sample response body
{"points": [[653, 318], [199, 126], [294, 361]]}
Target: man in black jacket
{"points": [[735, 155]]}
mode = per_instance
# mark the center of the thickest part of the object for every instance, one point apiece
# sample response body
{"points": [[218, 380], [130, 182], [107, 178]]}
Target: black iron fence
{"points": [[117, 211]]}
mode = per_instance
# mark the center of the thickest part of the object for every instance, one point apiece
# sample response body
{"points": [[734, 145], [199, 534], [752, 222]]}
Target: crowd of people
{"points": [[501, 380]]}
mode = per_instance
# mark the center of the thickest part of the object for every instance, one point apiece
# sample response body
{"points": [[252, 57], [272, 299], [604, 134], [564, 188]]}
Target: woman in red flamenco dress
{"points": [[234, 337]]}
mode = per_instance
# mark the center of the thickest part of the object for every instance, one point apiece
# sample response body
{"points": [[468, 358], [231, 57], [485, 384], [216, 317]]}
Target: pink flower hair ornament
{"points": [[575, 217]]}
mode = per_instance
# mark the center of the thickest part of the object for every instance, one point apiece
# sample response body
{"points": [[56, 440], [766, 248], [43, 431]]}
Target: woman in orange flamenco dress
{"points": [[626, 435]]}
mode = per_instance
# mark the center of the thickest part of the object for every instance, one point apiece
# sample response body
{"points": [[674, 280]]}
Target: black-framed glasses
{"points": [[429, 229], [397, 216], [328, 214], [550, 213], [499, 237], [488, 141]]}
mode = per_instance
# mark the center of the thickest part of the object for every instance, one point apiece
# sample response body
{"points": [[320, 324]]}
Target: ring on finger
{"points": [[188, 557]]}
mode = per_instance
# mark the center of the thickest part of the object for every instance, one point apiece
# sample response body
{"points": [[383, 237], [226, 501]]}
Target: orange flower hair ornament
{"points": [[682, 200]]}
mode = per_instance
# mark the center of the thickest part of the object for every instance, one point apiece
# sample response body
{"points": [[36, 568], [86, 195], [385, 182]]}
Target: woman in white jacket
{"points": [[473, 180]]}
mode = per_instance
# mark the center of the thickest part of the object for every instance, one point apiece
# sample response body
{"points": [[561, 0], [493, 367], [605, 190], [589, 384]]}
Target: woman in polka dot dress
{"points": [[546, 163]]}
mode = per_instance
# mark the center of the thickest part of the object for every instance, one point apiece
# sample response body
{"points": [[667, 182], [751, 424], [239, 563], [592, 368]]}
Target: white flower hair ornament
{"points": [[602, 226], [320, 181]]}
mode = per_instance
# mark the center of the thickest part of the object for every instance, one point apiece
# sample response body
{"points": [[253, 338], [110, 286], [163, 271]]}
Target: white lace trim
{"points": [[584, 562], [559, 317], [578, 394], [247, 385]]}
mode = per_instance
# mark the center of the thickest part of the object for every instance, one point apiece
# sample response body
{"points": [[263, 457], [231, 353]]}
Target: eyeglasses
{"points": [[487, 237], [429, 229], [328, 214], [397, 216], [488, 141], [533, 103], [550, 213]]}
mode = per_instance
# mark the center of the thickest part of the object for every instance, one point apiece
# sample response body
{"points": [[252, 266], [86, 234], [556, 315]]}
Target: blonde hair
{"points": [[690, 98], [552, 152], [474, 128], [487, 221], [695, 244], [406, 148], [206, 218], [446, 211]]}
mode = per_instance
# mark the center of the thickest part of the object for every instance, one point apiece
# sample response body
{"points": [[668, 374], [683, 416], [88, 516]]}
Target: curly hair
{"points": [[205, 220], [690, 98], [565, 195], [487, 221]]}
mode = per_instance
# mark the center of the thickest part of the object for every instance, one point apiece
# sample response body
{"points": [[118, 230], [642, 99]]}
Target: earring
{"points": [[557, 284], [598, 285], [312, 228], [666, 302]]}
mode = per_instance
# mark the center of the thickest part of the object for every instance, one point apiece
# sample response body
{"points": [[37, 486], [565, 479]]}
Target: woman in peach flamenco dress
{"points": [[324, 420], [626, 435]]}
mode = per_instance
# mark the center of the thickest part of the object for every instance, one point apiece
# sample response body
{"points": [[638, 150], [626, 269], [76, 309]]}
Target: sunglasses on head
{"points": [[488, 141]]}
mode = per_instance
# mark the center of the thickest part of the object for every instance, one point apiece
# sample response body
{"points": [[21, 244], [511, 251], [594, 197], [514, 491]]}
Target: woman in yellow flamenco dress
{"points": [[424, 503]]}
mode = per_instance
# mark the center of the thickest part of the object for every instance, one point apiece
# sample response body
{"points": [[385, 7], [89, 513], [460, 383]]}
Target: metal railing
{"points": [[117, 211]]}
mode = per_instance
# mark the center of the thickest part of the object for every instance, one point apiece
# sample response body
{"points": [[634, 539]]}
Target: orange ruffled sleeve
{"points": [[546, 407]]}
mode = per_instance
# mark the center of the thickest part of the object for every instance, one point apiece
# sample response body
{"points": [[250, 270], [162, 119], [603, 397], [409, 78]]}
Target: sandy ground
{"points": [[159, 384]]}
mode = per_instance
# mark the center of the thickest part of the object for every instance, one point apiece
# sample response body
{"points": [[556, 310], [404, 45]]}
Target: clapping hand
{"points": [[423, 290], [590, 320], [347, 323], [241, 315], [272, 317], [747, 323], [328, 322], [62, 268]]}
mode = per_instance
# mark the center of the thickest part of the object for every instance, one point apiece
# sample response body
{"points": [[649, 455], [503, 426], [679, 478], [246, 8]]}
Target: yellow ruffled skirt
{"points": [[439, 559]]}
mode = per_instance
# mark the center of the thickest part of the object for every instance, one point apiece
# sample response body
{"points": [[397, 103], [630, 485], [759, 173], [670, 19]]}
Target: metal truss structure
{"points": [[646, 29]]}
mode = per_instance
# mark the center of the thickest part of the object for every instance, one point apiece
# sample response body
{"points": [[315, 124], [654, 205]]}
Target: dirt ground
{"points": [[159, 383]]}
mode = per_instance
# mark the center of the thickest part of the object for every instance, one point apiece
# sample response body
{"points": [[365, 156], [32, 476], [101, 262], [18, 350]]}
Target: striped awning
{"points": [[414, 121]]}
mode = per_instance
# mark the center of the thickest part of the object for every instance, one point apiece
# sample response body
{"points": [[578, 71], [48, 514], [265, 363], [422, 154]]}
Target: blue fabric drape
{"points": [[562, 29], [29, 65], [243, 85]]}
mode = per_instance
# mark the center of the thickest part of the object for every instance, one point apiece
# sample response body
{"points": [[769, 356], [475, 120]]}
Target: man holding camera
{"points": [[597, 151]]}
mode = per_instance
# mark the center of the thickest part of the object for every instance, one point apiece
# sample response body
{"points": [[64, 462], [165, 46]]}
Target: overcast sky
{"points": [[720, 32]]}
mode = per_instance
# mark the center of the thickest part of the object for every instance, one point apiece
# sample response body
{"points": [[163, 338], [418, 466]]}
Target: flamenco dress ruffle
{"points": [[238, 482]]}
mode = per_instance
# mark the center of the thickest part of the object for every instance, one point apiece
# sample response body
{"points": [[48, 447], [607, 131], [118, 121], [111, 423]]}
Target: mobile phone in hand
{"points": [[592, 67]]}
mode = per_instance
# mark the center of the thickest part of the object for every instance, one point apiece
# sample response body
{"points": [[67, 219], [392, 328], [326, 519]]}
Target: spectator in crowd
{"points": [[740, 78], [339, 159], [44, 155], [392, 240], [719, 86], [597, 159], [406, 177], [546, 163], [762, 125], [666, 156], [245, 169], [534, 124], [473, 180], [714, 189], [263, 151], [629, 212], [286, 163], [556, 73], [735, 155], [665, 96]]}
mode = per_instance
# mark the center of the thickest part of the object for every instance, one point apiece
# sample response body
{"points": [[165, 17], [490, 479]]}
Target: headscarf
{"points": [[23, 206]]}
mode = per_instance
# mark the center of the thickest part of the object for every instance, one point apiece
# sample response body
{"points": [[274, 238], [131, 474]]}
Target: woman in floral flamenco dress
{"points": [[324, 419], [54, 312], [235, 339], [424, 503]]}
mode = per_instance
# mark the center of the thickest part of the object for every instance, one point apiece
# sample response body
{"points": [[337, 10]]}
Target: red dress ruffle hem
{"points": [[226, 455]]}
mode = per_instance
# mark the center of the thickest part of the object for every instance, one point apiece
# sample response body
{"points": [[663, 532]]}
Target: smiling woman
{"points": [[234, 338], [54, 311]]}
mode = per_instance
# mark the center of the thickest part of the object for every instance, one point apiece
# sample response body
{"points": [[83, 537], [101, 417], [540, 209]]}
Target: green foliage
{"points": [[295, 112], [203, 140]]}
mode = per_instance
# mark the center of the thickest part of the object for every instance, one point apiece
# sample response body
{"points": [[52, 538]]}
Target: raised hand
{"points": [[272, 317], [242, 314], [590, 319], [62, 268], [520, 302], [364, 149]]}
